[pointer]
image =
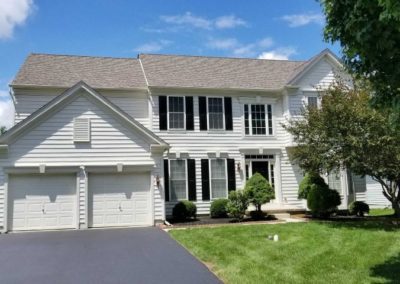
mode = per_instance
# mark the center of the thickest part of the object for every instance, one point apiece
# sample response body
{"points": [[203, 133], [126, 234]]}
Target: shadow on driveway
{"points": [[132, 255]]}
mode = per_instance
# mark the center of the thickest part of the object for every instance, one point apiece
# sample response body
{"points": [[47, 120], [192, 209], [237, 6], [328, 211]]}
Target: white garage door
{"points": [[39, 202], [119, 200]]}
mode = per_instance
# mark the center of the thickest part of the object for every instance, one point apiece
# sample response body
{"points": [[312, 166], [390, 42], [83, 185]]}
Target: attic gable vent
{"points": [[81, 130]]}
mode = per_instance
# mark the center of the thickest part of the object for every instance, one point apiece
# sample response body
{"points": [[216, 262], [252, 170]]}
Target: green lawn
{"points": [[306, 253], [381, 212]]}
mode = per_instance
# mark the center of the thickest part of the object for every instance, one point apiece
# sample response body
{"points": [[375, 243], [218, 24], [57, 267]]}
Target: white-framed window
{"points": [[216, 116], [176, 112], [312, 101], [258, 119], [218, 178], [178, 181]]}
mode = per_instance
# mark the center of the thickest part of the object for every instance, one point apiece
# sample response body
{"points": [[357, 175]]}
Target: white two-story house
{"points": [[102, 142]]}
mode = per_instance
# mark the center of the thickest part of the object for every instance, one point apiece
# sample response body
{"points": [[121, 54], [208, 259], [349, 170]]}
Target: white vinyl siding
{"points": [[258, 119], [215, 110], [178, 180], [218, 178], [176, 113]]}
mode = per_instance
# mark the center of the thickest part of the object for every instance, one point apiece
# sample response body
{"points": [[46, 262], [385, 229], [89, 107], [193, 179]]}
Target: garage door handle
{"points": [[43, 210], [119, 207]]}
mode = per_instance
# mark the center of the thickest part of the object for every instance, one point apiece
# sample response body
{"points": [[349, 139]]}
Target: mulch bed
{"points": [[207, 221]]}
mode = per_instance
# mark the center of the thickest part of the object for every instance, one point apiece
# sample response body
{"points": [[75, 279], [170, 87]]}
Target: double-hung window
{"points": [[178, 180], [176, 113], [258, 119], [218, 178], [216, 113], [312, 101]]}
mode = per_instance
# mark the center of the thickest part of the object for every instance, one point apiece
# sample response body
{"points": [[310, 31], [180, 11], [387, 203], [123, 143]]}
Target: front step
{"points": [[280, 216]]}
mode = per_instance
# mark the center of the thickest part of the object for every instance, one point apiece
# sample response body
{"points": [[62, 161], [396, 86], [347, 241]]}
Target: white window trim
{"points": [[184, 113], [186, 177], [223, 114], [210, 179], [266, 121]]}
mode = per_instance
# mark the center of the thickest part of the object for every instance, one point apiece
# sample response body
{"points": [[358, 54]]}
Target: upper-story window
{"points": [[312, 101], [258, 119], [215, 113], [176, 113]]}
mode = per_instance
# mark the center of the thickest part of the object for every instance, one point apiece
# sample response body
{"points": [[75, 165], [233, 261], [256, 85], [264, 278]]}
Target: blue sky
{"points": [[284, 29]]}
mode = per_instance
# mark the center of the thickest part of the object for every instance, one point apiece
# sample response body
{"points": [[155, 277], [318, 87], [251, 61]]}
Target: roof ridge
{"points": [[221, 57], [88, 56]]}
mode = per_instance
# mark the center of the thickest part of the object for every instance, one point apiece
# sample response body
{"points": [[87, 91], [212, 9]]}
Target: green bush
{"points": [[257, 215], [358, 208], [184, 210], [237, 204], [259, 191], [322, 201], [218, 208], [310, 180]]}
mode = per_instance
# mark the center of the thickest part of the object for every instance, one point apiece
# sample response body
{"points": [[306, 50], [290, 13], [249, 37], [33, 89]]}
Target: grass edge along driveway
{"points": [[313, 252]]}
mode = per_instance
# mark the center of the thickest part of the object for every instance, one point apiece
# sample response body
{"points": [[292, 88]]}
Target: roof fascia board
{"points": [[14, 86]]}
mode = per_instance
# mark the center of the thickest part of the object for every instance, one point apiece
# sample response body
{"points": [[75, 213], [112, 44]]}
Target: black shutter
{"points": [[191, 165], [189, 113], [228, 113], [203, 113], [166, 180], [231, 174], [162, 109], [205, 180]]}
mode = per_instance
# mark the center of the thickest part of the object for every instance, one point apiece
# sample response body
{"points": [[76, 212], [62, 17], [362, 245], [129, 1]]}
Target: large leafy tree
{"points": [[3, 130], [369, 34], [345, 132]]}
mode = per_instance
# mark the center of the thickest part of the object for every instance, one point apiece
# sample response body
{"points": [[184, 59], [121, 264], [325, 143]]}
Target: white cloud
{"points": [[239, 49], [299, 20], [190, 20], [13, 13], [223, 43], [154, 46], [6, 110], [228, 22], [282, 53]]}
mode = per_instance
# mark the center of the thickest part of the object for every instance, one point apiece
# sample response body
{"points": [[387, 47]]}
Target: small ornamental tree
{"points": [[259, 191], [237, 204], [310, 180]]}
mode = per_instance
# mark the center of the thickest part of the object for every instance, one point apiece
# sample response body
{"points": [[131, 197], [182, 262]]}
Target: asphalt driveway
{"points": [[134, 255]]}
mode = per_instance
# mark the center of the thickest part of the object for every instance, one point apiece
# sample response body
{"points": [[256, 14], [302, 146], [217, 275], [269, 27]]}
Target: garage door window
{"points": [[178, 180]]}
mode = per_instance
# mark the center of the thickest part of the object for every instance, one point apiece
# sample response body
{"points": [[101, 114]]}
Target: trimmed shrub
{"points": [[310, 180], [259, 191], [358, 208], [184, 210], [218, 208], [237, 204], [322, 201]]}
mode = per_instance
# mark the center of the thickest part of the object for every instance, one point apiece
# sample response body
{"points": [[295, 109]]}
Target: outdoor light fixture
{"points": [[157, 181], [238, 167]]}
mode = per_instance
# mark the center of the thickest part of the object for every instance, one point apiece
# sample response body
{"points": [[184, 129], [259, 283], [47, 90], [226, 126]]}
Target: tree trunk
{"points": [[396, 208]]}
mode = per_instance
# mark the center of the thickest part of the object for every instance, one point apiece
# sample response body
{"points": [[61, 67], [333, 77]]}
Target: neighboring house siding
{"points": [[360, 188], [375, 197], [321, 75], [2, 196]]}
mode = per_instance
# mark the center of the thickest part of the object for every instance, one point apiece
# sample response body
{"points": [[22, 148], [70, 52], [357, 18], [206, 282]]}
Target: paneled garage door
{"points": [[119, 200], [38, 202]]}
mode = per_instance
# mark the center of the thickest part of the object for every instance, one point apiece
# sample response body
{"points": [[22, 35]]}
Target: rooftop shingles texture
{"points": [[215, 72], [65, 71]]}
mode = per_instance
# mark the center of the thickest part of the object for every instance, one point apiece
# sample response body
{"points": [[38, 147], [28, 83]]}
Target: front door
{"points": [[260, 167]]}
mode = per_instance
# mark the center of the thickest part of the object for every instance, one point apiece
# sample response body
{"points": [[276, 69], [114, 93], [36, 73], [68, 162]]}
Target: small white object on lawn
{"points": [[276, 238]]}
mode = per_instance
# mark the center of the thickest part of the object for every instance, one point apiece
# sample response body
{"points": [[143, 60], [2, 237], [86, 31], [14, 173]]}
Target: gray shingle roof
{"points": [[216, 72], [65, 71]]}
